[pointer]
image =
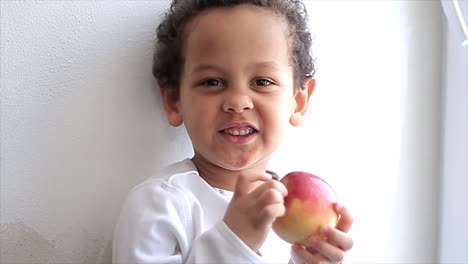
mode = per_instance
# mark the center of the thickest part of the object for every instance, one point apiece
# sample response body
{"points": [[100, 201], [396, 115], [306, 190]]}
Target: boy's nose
{"points": [[237, 103]]}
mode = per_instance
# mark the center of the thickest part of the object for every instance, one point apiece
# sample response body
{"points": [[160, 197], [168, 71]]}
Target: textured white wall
{"points": [[81, 123]]}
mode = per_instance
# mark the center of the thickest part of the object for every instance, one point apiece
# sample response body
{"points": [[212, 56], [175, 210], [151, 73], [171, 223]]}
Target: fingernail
{"points": [[338, 206], [324, 230], [296, 248]]}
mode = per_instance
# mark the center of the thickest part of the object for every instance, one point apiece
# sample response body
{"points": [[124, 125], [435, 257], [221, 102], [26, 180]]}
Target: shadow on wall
{"points": [[21, 244]]}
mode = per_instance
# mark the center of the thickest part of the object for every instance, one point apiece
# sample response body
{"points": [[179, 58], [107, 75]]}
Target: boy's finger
{"points": [[326, 249], [268, 185], [346, 220], [245, 183], [301, 255], [337, 238]]}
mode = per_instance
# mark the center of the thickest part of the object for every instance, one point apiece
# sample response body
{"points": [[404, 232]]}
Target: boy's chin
{"points": [[239, 165]]}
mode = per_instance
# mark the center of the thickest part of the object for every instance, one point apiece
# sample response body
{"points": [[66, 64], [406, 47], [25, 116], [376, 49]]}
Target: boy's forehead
{"points": [[223, 29]]}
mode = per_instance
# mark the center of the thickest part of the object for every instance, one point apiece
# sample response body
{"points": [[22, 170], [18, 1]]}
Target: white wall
{"points": [[373, 126], [81, 123]]}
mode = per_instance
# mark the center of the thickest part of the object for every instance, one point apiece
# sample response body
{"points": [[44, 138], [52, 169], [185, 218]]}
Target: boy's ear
{"points": [[301, 100], [170, 104]]}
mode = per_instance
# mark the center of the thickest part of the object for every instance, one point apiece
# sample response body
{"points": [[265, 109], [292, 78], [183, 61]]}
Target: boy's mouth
{"points": [[239, 131]]}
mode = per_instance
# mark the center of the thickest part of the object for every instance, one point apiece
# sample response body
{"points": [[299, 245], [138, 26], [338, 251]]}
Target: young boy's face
{"points": [[236, 87]]}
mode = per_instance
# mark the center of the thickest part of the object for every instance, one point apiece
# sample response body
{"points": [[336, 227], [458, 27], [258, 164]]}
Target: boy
{"points": [[236, 74]]}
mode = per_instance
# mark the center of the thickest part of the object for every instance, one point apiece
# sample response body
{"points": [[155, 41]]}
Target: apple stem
{"points": [[273, 175]]}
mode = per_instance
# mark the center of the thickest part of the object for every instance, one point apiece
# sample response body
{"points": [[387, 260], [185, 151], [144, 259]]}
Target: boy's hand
{"points": [[258, 200], [330, 250]]}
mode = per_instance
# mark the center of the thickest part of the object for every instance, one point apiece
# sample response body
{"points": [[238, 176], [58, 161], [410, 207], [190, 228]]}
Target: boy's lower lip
{"points": [[238, 139]]}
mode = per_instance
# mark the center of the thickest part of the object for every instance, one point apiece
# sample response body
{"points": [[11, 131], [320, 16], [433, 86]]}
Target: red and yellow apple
{"points": [[309, 206]]}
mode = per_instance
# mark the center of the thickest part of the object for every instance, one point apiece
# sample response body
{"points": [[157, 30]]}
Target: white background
{"points": [[81, 123]]}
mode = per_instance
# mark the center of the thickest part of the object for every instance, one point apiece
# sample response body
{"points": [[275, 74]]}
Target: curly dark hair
{"points": [[168, 56]]}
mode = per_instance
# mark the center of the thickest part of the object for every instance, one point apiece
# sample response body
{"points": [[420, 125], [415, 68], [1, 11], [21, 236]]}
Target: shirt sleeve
{"points": [[156, 226], [221, 245], [151, 227]]}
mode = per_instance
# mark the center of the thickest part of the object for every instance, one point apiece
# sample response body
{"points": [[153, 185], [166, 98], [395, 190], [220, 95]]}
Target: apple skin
{"points": [[309, 206]]}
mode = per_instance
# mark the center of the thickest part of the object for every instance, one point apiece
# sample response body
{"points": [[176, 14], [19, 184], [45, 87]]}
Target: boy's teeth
{"points": [[238, 132]]}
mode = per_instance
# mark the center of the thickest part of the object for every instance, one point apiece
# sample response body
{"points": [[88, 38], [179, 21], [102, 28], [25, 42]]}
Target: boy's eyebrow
{"points": [[204, 67], [265, 64]]}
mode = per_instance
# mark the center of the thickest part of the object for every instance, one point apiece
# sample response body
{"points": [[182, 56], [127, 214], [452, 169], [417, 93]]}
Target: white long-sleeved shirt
{"points": [[176, 217]]}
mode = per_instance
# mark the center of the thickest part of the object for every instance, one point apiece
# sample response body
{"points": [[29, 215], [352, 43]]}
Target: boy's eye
{"points": [[263, 82], [212, 82]]}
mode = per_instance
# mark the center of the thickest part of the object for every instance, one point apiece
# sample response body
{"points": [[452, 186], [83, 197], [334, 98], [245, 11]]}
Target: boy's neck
{"points": [[223, 178]]}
